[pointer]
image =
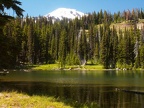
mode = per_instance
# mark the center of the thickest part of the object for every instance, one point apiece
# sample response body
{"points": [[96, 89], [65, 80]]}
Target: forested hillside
{"points": [[97, 37]]}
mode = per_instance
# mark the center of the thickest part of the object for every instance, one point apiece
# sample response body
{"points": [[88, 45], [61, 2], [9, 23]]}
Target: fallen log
{"points": [[132, 91]]}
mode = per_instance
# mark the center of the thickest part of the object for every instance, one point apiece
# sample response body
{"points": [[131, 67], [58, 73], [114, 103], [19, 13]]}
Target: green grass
{"points": [[19, 100], [46, 67], [73, 67], [93, 67]]}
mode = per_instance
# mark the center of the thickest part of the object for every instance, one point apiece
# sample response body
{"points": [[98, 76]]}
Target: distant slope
{"points": [[127, 25], [123, 25]]}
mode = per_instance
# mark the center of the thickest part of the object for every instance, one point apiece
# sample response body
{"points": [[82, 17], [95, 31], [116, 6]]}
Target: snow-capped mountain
{"points": [[61, 13]]}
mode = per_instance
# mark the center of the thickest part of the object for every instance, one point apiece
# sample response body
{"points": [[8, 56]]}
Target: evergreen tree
{"points": [[137, 48], [105, 46], [91, 43], [142, 55], [120, 49], [82, 48], [30, 43], [97, 46], [113, 48], [62, 48]]}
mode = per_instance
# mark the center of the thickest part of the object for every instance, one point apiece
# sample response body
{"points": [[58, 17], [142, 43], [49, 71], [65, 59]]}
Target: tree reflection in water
{"points": [[106, 96]]}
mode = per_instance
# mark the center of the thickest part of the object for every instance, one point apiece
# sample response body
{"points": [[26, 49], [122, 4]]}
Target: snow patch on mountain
{"points": [[61, 13]]}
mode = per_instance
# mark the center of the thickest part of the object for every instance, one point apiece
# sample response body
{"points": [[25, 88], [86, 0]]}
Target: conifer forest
{"points": [[112, 40]]}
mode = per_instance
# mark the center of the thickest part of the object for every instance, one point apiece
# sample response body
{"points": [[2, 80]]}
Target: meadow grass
{"points": [[20, 100], [68, 67], [93, 67], [45, 67]]}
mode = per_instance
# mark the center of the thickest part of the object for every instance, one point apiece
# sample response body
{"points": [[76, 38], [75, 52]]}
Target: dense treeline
{"points": [[5, 42], [74, 42]]}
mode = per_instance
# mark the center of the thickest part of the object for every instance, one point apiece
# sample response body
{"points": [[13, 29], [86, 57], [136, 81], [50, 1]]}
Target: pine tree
{"points": [[105, 47], [62, 48], [91, 43], [101, 16], [142, 55], [137, 49], [30, 43], [82, 49], [97, 46], [113, 48], [17, 40]]}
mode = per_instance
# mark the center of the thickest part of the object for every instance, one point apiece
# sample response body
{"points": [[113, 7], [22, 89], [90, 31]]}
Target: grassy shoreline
{"points": [[21, 100], [67, 67], [76, 67]]}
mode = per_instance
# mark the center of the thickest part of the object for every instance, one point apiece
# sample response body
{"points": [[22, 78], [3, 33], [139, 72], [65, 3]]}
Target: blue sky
{"points": [[42, 7]]}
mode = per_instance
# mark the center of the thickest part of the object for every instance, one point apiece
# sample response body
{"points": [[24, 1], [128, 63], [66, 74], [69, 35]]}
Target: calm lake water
{"points": [[106, 88]]}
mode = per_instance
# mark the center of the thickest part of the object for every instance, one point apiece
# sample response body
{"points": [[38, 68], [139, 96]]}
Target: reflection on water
{"points": [[102, 87]]}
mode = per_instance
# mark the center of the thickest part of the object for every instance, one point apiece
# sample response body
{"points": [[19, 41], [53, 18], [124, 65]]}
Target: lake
{"points": [[109, 89]]}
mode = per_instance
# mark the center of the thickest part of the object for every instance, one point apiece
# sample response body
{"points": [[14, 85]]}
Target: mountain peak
{"points": [[61, 13]]}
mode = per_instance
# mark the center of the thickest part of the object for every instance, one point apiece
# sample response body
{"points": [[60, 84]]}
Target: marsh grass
{"points": [[20, 100]]}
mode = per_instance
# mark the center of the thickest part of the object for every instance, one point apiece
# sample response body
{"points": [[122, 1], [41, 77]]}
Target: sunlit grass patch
{"points": [[45, 67], [19, 100], [93, 67], [73, 67]]}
